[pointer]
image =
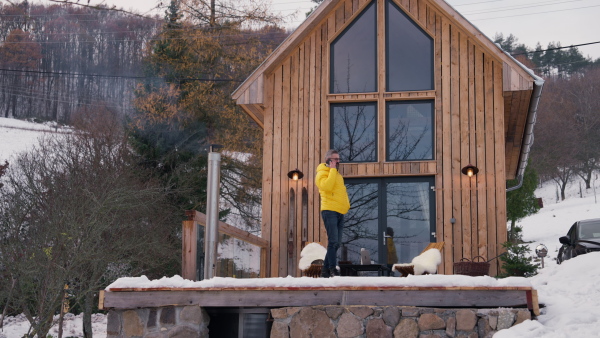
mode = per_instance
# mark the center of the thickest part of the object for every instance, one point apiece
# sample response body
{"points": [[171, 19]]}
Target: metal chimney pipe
{"points": [[211, 236]]}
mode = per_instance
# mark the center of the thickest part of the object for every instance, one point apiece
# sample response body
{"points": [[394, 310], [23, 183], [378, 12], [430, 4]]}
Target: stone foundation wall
{"points": [[164, 322], [324, 322], [391, 321]]}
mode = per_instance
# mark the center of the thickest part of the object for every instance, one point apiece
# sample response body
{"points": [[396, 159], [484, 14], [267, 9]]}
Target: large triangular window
{"points": [[380, 54], [409, 53], [354, 55]]}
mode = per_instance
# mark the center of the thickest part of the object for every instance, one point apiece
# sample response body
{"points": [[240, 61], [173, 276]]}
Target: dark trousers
{"points": [[334, 225]]}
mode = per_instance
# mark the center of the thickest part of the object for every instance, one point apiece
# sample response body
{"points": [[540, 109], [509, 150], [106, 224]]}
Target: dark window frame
{"points": [[341, 34], [382, 202], [387, 49], [376, 126], [387, 129]]}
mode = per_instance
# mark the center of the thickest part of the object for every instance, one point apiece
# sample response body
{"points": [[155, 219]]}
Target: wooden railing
{"points": [[190, 248]]}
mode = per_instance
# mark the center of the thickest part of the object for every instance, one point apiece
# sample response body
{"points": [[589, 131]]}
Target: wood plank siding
{"points": [[479, 96]]}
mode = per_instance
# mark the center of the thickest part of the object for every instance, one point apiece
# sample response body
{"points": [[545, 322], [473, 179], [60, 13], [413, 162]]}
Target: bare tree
{"points": [[77, 210], [555, 145], [582, 90], [53, 59], [354, 129]]}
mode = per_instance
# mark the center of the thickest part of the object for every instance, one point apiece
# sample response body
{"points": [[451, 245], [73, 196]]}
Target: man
{"points": [[334, 204]]}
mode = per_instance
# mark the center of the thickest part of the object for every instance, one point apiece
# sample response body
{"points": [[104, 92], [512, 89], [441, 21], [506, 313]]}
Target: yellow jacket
{"points": [[333, 192]]}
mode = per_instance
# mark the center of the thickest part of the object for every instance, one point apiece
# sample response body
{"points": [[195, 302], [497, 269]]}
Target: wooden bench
{"points": [[409, 269]]}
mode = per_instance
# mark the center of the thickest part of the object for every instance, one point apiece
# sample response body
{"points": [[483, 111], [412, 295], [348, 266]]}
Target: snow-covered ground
{"points": [[17, 327], [569, 291], [17, 135]]}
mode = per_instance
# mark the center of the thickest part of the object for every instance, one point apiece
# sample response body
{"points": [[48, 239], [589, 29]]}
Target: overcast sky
{"points": [[570, 22]]}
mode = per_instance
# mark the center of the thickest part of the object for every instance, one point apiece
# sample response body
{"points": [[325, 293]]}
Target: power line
{"points": [[560, 64], [521, 6], [476, 3], [262, 37], [513, 16], [557, 48], [68, 102], [117, 76]]}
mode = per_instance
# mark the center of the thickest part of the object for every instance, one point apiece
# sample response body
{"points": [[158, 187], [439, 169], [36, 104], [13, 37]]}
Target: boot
{"points": [[333, 272], [325, 273]]}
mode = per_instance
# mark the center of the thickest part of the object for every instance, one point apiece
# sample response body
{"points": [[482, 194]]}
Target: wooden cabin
{"points": [[410, 93]]}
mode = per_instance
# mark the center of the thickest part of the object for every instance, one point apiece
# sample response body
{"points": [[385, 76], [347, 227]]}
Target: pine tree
{"points": [[199, 63], [515, 260], [521, 202]]}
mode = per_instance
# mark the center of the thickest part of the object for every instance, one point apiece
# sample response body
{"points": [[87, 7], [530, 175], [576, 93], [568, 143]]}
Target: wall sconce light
{"points": [[470, 170], [295, 174]]}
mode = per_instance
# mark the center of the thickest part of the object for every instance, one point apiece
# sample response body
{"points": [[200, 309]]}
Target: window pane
{"points": [[409, 130], [361, 223], [354, 56], [353, 131], [409, 53], [408, 218]]}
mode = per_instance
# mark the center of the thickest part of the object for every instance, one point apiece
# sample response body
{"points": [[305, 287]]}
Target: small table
{"points": [[353, 269]]}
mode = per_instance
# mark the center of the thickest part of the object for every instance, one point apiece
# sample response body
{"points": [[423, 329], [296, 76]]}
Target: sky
{"points": [[569, 292], [570, 22]]}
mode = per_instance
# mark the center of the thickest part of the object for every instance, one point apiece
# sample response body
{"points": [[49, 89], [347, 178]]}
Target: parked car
{"points": [[583, 237]]}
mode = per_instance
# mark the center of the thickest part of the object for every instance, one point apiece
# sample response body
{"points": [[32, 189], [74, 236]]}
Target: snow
{"points": [[17, 136], [17, 326], [336, 282], [538, 80], [569, 291]]}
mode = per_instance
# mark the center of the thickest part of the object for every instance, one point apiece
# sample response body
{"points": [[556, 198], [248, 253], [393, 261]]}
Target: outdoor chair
{"points": [[311, 259]]}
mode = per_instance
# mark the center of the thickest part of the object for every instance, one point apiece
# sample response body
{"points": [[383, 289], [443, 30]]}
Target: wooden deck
{"points": [[450, 297]]}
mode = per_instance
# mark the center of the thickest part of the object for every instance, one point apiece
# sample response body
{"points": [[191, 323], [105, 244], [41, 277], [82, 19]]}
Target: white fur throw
{"points": [[311, 252], [426, 262]]}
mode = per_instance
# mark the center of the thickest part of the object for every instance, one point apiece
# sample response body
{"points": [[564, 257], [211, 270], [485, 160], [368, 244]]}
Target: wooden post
{"points": [[101, 300], [189, 250]]}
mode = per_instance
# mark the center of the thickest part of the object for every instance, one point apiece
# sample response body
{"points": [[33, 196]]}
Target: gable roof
{"points": [[324, 9], [521, 87]]}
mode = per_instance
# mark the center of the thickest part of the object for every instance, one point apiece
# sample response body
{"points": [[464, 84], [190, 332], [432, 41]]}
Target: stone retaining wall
{"points": [[324, 322], [391, 321]]}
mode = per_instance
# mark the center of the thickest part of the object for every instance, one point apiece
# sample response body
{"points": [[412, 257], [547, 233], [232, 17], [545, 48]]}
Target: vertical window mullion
{"points": [[381, 45]]}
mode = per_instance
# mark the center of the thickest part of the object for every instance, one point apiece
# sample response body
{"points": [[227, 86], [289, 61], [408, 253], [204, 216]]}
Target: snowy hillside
{"points": [[555, 219], [17, 135], [569, 291]]}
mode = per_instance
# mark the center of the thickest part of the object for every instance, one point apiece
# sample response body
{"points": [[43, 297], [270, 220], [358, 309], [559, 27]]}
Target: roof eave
{"points": [[281, 51]]}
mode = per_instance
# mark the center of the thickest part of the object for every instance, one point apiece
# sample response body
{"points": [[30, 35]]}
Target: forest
{"points": [[567, 130], [144, 97]]}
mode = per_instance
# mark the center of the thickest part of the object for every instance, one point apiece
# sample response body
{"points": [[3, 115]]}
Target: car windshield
{"points": [[589, 230]]}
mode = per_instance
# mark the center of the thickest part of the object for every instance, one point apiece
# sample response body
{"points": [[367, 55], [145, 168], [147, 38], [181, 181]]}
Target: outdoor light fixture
{"points": [[470, 170], [295, 174]]}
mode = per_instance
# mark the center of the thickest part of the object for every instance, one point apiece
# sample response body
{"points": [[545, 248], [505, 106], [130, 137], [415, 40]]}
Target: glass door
{"points": [[361, 223], [409, 219], [392, 218]]}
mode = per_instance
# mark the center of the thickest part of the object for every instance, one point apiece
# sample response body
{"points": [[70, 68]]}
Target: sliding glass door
{"points": [[393, 218]]}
